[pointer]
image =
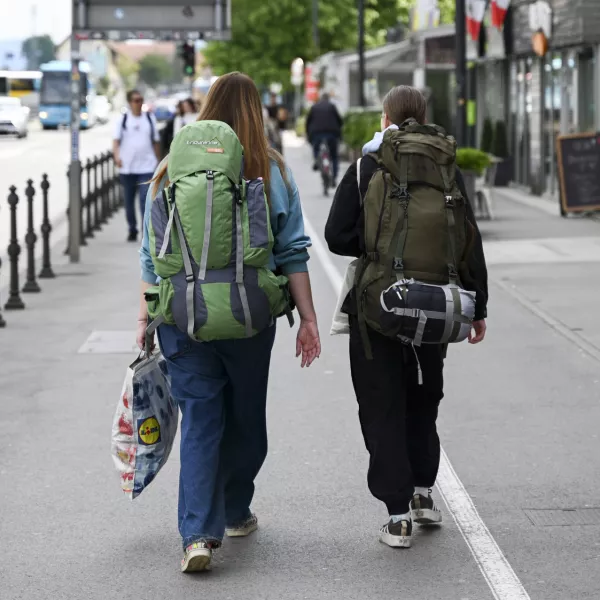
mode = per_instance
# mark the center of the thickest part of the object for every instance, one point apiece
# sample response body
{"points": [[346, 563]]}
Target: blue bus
{"points": [[55, 94]]}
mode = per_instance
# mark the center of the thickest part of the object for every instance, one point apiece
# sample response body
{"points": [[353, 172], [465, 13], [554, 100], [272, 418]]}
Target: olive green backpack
{"points": [[416, 232]]}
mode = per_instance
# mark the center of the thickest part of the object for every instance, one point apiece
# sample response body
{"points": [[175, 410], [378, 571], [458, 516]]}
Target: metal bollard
{"points": [[100, 190], [2, 321], [46, 272], [14, 301], [89, 230], [97, 211], [31, 285], [110, 179], [82, 201]]}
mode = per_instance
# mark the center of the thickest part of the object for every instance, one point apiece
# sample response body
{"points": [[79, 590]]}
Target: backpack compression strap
{"points": [[239, 262], [210, 178]]}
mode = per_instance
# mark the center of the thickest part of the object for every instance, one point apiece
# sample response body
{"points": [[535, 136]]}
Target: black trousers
{"points": [[397, 415]]}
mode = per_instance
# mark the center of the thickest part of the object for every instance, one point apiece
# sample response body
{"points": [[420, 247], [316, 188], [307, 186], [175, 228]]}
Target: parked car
{"points": [[103, 109], [163, 109], [14, 117]]}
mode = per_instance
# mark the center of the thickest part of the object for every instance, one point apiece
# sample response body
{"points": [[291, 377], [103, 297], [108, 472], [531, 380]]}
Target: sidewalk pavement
{"points": [[519, 424]]}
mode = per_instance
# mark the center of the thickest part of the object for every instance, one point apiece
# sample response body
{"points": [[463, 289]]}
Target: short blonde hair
{"points": [[405, 102]]}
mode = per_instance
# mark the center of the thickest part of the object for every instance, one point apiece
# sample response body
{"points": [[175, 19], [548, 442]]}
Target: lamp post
{"points": [[461, 73], [361, 53]]}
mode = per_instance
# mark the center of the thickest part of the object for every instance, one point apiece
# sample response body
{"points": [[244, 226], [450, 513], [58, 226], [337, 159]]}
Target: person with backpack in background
{"points": [[223, 255], [420, 282], [136, 150], [324, 124], [168, 131]]}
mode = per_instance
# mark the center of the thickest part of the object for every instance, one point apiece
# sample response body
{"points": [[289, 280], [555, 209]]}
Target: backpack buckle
{"points": [[452, 272], [400, 192], [450, 202], [189, 278], [398, 264]]}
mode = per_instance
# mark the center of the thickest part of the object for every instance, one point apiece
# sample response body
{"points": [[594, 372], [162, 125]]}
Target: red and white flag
{"points": [[475, 14], [499, 10]]}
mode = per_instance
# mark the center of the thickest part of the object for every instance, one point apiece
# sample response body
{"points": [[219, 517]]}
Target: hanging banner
{"points": [[311, 84], [475, 13], [499, 10]]}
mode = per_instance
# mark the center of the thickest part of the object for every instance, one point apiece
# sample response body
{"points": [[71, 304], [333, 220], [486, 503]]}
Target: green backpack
{"points": [[416, 232], [211, 240]]}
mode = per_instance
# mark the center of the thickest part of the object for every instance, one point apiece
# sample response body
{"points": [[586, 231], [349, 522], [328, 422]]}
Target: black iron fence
{"points": [[101, 198]]}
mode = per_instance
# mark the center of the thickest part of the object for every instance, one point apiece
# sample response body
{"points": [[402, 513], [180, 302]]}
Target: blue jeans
{"points": [[221, 388], [132, 183], [333, 142]]}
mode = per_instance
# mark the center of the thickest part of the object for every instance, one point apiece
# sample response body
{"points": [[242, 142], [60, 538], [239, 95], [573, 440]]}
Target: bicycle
{"points": [[325, 166]]}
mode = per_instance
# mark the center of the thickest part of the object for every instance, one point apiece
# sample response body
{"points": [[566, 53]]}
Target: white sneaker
{"points": [[396, 535], [197, 557], [424, 511], [243, 529]]}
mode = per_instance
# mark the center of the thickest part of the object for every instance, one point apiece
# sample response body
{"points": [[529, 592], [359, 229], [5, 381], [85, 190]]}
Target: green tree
{"points": [[38, 50], [128, 70], [155, 69]]}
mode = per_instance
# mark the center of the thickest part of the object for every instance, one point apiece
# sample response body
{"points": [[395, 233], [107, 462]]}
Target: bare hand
{"points": [[308, 342], [140, 338], [479, 327], [118, 162]]}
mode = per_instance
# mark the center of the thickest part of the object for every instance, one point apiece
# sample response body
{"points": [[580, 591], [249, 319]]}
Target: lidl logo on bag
{"points": [[148, 431]]}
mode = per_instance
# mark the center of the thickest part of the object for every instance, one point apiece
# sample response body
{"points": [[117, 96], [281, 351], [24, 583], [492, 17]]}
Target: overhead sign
{"points": [[152, 19]]}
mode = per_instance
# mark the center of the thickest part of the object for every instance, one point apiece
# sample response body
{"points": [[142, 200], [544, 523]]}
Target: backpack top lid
{"points": [[206, 146]]}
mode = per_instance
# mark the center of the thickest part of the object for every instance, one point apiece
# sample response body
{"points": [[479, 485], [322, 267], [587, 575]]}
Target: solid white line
{"points": [[496, 570]]}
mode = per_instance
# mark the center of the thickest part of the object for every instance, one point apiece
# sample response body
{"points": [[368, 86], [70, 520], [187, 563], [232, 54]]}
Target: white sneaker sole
{"points": [[243, 531], [426, 516], [395, 541], [196, 561]]}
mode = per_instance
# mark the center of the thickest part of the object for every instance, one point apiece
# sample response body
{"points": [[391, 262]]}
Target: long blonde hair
{"points": [[234, 99]]}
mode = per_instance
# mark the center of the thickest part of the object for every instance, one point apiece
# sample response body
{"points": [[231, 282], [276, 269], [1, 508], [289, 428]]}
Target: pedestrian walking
{"points": [[136, 149], [403, 212], [225, 288], [188, 114]]}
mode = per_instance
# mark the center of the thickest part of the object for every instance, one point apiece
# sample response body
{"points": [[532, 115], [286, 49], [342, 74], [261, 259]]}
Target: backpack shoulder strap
{"points": [[358, 162], [151, 123], [124, 123]]}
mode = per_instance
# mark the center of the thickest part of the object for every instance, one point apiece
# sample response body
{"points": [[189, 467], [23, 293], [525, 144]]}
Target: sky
{"points": [[53, 18]]}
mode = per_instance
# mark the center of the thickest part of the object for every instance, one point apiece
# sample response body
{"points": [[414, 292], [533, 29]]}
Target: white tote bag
{"points": [[340, 324]]}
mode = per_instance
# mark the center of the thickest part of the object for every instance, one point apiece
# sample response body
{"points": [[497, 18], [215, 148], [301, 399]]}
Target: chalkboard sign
{"points": [[579, 171]]}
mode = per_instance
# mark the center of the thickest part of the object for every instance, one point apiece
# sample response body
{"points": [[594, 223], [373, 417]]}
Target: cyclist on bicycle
{"points": [[324, 123]]}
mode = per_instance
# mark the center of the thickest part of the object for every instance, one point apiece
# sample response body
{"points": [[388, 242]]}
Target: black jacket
{"points": [[344, 230], [323, 117]]}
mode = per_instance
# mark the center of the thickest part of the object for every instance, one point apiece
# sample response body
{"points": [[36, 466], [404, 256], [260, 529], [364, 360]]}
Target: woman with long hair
{"points": [[188, 114], [221, 386]]}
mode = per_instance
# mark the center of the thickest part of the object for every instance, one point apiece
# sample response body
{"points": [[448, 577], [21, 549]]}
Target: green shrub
{"points": [[487, 136], [360, 127], [471, 159], [500, 145]]}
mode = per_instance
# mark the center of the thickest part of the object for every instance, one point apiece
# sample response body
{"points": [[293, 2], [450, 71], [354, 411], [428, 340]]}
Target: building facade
{"points": [[553, 92]]}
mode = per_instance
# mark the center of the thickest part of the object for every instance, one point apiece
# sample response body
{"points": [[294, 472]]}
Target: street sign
{"points": [[155, 19]]}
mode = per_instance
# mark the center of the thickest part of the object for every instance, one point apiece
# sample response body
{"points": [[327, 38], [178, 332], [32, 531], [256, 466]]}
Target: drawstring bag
{"points": [[340, 324], [145, 423]]}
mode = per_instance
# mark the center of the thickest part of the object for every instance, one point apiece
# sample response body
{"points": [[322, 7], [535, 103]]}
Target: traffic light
{"points": [[188, 53]]}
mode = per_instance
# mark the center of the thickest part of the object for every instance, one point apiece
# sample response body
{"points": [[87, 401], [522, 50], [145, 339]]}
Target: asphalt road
{"points": [[518, 424]]}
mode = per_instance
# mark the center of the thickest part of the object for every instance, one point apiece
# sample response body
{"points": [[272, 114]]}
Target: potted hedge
{"points": [[360, 127], [472, 163], [504, 167]]}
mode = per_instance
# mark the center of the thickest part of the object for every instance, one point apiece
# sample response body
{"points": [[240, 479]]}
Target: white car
{"points": [[14, 117], [102, 108]]}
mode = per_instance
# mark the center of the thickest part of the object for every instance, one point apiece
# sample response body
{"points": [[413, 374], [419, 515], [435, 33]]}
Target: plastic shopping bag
{"points": [[145, 424], [340, 325]]}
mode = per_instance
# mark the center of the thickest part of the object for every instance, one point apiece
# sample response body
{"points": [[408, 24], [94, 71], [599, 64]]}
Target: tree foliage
{"points": [[38, 50], [268, 35], [155, 69], [128, 70]]}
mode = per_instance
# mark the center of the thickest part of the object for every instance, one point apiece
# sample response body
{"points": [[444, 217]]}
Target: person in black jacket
{"points": [[324, 123], [397, 414]]}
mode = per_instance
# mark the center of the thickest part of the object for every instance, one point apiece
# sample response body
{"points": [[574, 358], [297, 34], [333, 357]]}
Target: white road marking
{"points": [[496, 570]]}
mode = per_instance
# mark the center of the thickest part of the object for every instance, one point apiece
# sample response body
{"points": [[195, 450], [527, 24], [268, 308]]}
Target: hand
{"points": [[118, 161], [308, 342], [142, 324], [479, 327]]}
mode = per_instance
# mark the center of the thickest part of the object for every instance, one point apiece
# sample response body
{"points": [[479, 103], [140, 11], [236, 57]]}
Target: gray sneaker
{"points": [[244, 528], [396, 535], [424, 511]]}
